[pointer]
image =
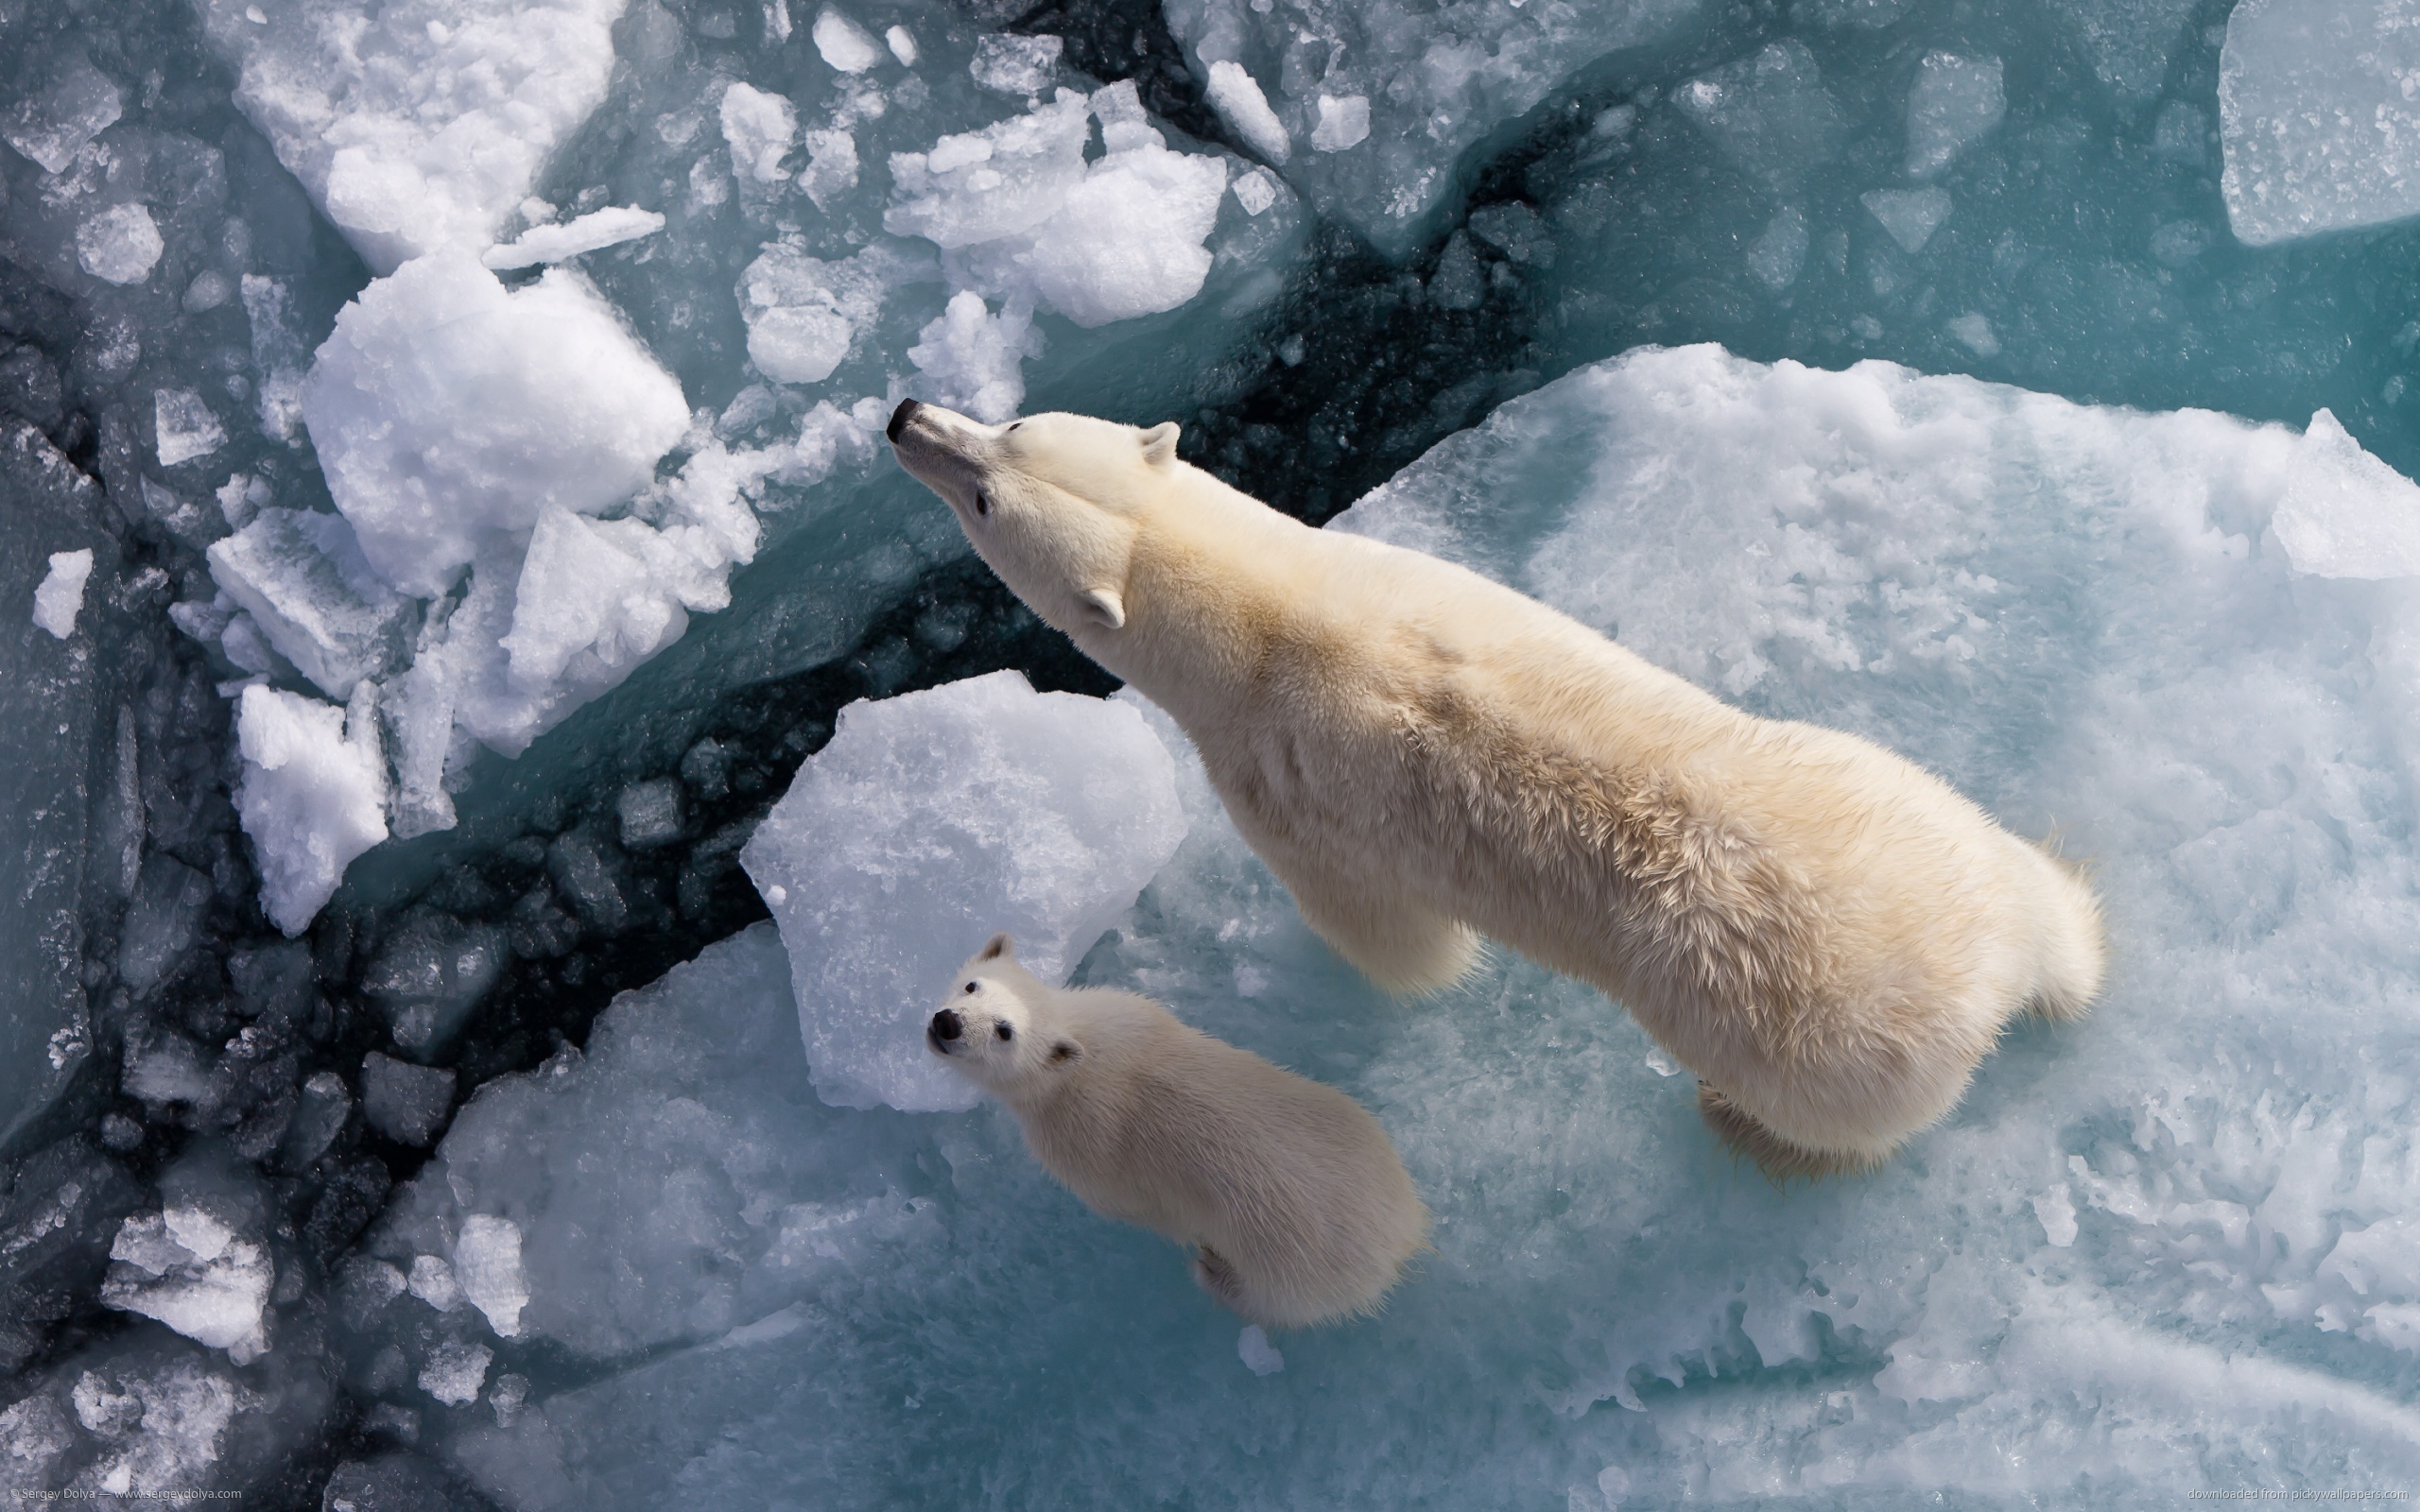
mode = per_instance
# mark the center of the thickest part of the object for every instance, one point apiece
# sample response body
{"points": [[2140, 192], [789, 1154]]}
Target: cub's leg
{"points": [[1739, 1133]]}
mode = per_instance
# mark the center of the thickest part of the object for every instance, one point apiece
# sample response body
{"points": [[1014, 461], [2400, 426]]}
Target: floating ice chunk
{"points": [[1776, 257], [805, 314], [595, 599], [1255, 191], [902, 43], [759, 129], [1910, 215], [2318, 117], [1954, 102], [445, 409], [2130, 42], [432, 1281], [1769, 112], [650, 813], [1127, 240], [1009, 63], [2345, 513], [487, 1257], [429, 973], [845, 45], [1236, 96], [2056, 1209], [186, 428], [831, 169], [973, 360], [312, 795], [405, 1102], [416, 127], [929, 821], [1259, 1356], [594, 232], [1343, 122], [979, 186], [1434, 81], [1974, 332], [455, 1372], [279, 357], [191, 1271], [60, 598], [302, 577], [161, 920], [120, 244], [52, 127]]}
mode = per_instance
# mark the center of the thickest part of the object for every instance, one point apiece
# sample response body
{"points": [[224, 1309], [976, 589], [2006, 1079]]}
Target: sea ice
{"points": [[1393, 97], [192, 1272], [51, 127], [447, 409], [1953, 102], [302, 577], [418, 125], [594, 232], [1770, 113], [312, 796], [120, 244], [1910, 215], [60, 598], [2318, 118], [405, 1102], [931, 820]]}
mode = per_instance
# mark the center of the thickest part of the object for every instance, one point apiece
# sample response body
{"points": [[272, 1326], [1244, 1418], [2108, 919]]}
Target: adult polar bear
{"points": [[1829, 936]]}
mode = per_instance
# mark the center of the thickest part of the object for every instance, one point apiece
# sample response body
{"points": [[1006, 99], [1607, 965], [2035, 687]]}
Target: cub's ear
{"points": [[997, 946], [1159, 443], [1104, 608], [1066, 1053]]}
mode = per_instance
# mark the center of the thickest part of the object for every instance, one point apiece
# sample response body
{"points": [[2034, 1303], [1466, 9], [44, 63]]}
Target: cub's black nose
{"points": [[947, 1025], [898, 423]]}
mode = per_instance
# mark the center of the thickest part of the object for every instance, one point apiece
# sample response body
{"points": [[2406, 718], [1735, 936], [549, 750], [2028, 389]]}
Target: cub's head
{"points": [[992, 1027], [1051, 502]]}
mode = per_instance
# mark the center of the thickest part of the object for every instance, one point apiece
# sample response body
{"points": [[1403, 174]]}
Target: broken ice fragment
{"points": [[844, 44], [651, 812], [599, 229], [2319, 116], [455, 1372], [1011, 64], [973, 359], [2345, 513], [185, 426], [312, 796], [60, 598], [486, 1260], [51, 127], [1236, 96], [1343, 122], [1259, 1356], [1776, 256], [1910, 215], [428, 976], [302, 577], [189, 1270], [121, 244], [1953, 102], [931, 820], [1768, 113], [758, 127], [405, 1102]]}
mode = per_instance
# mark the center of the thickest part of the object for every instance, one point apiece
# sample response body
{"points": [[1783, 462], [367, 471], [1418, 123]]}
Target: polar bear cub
{"points": [[1296, 1205], [1829, 936]]}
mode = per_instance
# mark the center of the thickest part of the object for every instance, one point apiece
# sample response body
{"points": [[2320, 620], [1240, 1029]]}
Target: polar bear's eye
{"points": [[970, 986], [1005, 1032], [982, 501]]}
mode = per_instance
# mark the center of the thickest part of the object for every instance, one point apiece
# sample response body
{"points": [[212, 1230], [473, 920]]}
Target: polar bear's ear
{"points": [[1065, 1051], [1103, 607], [997, 946], [1159, 443]]}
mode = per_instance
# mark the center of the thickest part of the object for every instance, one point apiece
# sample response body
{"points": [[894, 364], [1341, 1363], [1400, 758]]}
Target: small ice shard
{"points": [[312, 796], [805, 314], [928, 822], [1255, 191], [120, 244], [1954, 102], [1259, 1356], [279, 357], [902, 43], [758, 127], [1129, 240], [405, 1102], [432, 1281], [1910, 215], [979, 186], [1776, 257], [161, 920], [60, 598], [487, 1258], [2345, 513], [650, 813], [2318, 117], [846, 45], [1343, 122], [1236, 96], [302, 577], [1007, 64], [1974, 332], [445, 409], [1769, 112], [973, 360], [2056, 1209], [185, 426], [594, 232], [455, 1372], [51, 127], [831, 169], [190, 1270]]}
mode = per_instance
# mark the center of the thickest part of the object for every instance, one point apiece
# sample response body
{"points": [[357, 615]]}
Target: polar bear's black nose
{"points": [[947, 1025], [899, 418]]}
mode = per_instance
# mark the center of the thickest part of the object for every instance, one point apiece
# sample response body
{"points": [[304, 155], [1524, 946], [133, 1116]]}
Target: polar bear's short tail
{"points": [[2074, 951]]}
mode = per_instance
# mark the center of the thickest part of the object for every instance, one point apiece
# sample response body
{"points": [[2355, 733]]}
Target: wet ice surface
{"points": [[398, 1212]]}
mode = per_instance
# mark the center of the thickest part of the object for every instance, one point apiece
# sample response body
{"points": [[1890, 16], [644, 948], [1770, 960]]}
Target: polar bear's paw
{"points": [[1778, 1158]]}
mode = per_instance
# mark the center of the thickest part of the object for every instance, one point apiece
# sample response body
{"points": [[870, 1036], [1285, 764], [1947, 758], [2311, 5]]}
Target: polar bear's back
{"points": [[1291, 1183]]}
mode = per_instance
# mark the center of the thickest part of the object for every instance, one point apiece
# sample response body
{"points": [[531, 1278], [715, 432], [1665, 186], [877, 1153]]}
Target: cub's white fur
{"points": [[1829, 936], [1293, 1198]]}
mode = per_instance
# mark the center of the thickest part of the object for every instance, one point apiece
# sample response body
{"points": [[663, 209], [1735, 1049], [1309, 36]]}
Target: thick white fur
{"points": [[1298, 1209], [1829, 936]]}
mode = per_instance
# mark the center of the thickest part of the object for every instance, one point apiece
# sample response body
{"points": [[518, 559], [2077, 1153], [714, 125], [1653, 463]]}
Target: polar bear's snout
{"points": [[947, 1027], [899, 418]]}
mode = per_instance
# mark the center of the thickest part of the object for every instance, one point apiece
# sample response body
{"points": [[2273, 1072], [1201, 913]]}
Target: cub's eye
{"points": [[1005, 1032], [970, 986], [983, 501]]}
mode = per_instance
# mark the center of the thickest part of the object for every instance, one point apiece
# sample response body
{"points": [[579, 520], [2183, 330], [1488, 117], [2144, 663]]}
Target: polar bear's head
{"points": [[995, 1025], [1052, 503]]}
